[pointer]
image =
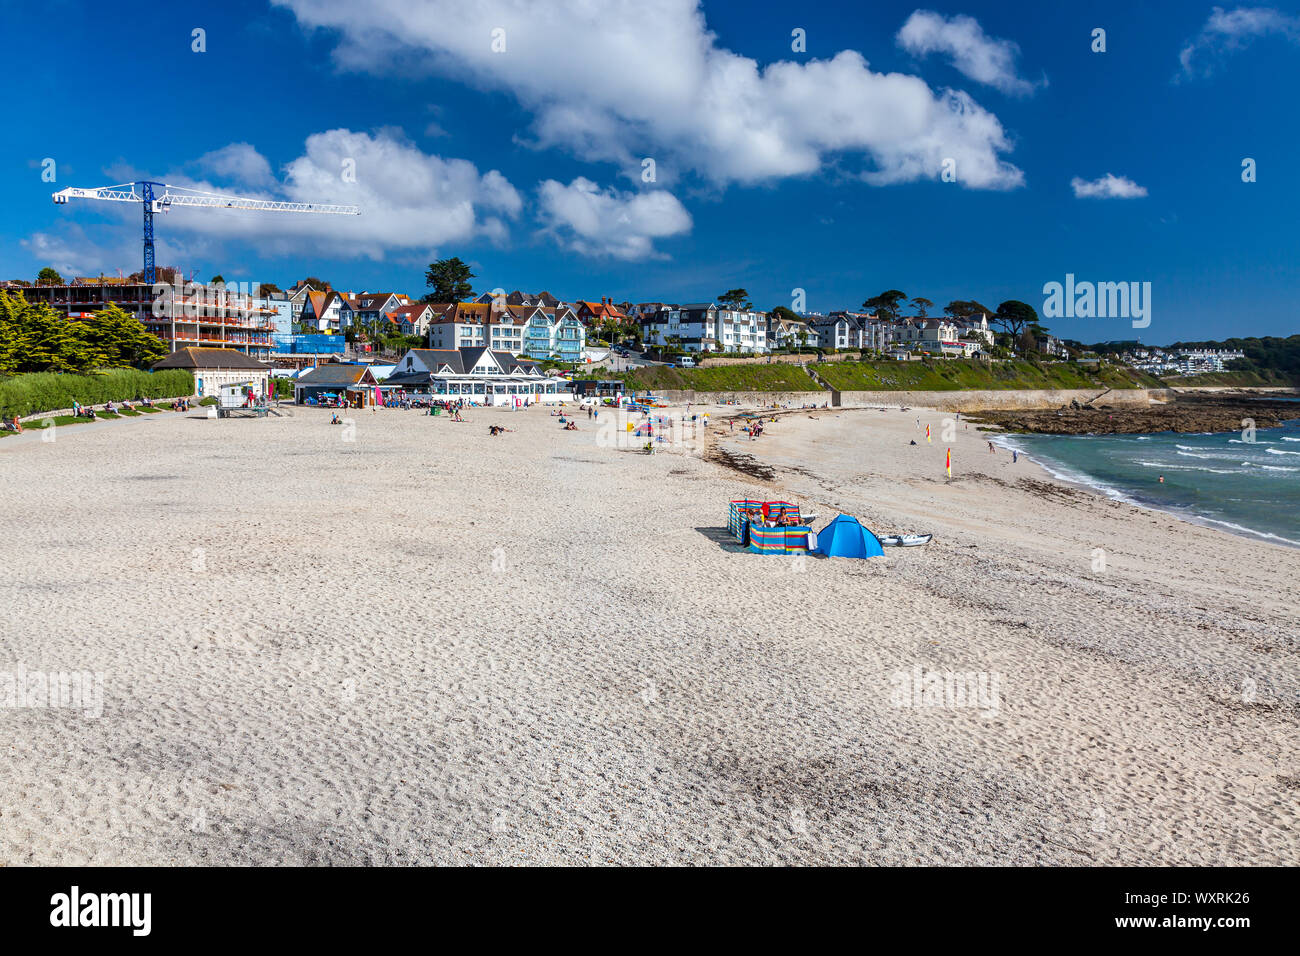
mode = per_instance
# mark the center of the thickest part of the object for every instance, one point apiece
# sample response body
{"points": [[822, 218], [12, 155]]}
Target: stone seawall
{"points": [[974, 399], [957, 400]]}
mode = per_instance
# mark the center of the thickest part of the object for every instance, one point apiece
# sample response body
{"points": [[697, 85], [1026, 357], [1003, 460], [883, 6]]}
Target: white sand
{"points": [[433, 646]]}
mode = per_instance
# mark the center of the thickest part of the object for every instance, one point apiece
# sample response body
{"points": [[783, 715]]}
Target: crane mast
{"points": [[157, 197]]}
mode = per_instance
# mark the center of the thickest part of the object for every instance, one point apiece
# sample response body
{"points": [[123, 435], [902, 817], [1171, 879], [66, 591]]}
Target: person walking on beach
{"points": [[1015, 456]]}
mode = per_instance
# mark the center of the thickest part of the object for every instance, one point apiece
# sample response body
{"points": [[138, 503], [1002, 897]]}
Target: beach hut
{"points": [[847, 537]]}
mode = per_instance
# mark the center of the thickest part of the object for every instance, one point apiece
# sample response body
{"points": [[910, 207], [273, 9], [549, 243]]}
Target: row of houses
{"points": [[1159, 361], [540, 325], [709, 327]]}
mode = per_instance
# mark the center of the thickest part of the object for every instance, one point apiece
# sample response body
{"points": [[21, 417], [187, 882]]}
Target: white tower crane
{"points": [[159, 197]]}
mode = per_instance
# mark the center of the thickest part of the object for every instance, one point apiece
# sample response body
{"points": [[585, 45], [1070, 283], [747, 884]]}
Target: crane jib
{"points": [[154, 203]]}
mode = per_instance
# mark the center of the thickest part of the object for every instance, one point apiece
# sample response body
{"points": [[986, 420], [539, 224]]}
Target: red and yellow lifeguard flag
{"points": [[948, 463], [927, 433]]}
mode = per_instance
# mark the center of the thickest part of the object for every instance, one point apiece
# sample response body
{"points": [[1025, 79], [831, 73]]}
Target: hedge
{"points": [[47, 391]]}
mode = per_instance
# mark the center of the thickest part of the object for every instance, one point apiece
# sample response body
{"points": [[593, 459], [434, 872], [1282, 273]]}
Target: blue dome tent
{"points": [[846, 537]]}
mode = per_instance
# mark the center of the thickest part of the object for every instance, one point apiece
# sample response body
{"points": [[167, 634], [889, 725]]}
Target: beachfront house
{"points": [[367, 308], [975, 327], [412, 319], [480, 376], [791, 334], [858, 331], [937, 336], [321, 311], [742, 330], [543, 298], [554, 331], [459, 325], [692, 327], [594, 313], [704, 327], [213, 368], [834, 331], [337, 379]]}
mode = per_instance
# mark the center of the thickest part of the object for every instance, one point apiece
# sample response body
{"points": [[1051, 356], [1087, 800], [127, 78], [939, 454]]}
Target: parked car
{"points": [[685, 362]]}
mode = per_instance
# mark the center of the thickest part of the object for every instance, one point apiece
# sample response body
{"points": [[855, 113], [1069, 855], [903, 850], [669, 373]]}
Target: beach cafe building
{"points": [[479, 376], [611, 389], [336, 380]]}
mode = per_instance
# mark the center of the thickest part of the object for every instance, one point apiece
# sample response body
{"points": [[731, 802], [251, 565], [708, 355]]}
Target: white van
{"points": [[685, 362]]}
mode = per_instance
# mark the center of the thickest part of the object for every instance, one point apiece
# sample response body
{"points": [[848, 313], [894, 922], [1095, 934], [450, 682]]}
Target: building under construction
{"points": [[188, 315]]}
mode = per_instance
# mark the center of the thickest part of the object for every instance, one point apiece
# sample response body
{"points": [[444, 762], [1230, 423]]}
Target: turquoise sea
{"points": [[1222, 479]]}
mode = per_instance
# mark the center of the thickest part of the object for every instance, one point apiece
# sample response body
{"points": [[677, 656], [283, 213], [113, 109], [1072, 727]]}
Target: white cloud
{"points": [[409, 200], [239, 162], [624, 79], [1227, 31], [69, 252], [974, 53], [1107, 187], [609, 222]]}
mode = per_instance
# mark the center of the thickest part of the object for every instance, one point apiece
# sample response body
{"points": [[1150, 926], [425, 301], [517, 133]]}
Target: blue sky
{"points": [[775, 169]]}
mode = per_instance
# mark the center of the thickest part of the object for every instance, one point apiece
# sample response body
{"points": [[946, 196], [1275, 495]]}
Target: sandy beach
{"points": [[414, 643]]}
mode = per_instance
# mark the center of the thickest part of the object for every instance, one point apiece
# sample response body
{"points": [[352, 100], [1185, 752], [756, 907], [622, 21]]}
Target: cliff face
{"points": [[1186, 413]]}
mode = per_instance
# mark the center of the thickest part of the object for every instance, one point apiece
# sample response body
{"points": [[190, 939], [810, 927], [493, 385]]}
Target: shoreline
{"points": [[1100, 489]]}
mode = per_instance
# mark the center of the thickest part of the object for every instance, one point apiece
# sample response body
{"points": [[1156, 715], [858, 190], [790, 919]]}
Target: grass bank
{"points": [[776, 377], [38, 392], [955, 374]]}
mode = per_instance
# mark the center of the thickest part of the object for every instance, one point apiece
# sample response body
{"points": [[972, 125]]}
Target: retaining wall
{"points": [[958, 400]]}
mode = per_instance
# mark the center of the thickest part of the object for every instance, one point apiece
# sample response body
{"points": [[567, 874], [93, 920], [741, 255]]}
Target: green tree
{"points": [[121, 339], [922, 307], [964, 309], [217, 278], [448, 280], [35, 338], [318, 285], [1014, 316], [886, 304], [48, 276], [735, 299]]}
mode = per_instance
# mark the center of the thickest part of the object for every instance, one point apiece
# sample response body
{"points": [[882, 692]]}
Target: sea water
{"points": [[1220, 479]]}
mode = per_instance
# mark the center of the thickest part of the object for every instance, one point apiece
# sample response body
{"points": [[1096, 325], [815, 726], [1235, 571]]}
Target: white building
{"points": [[478, 376], [704, 327]]}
